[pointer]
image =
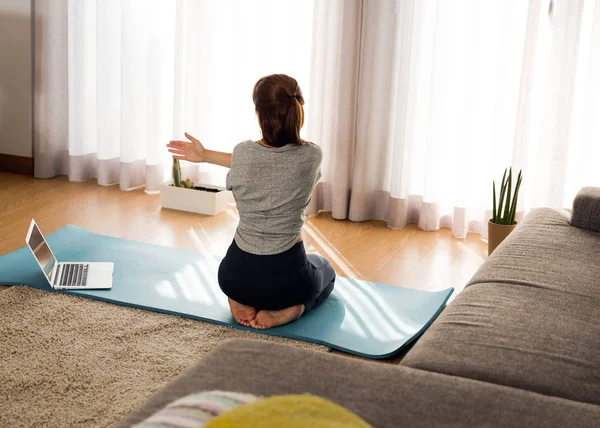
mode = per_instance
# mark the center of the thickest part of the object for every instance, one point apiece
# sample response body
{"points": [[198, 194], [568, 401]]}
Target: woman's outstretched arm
{"points": [[194, 151]]}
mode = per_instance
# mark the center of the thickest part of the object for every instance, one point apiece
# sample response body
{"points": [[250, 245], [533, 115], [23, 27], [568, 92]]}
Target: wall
{"points": [[15, 78]]}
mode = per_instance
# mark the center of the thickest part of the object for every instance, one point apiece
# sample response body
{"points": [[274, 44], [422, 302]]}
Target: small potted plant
{"points": [[185, 195], [504, 210]]}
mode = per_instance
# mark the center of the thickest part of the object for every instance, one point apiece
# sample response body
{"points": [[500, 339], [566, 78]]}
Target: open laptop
{"points": [[67, 276]]}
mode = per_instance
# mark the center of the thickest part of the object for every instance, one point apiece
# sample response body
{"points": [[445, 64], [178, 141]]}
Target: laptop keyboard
{"points": [[73, 275]]}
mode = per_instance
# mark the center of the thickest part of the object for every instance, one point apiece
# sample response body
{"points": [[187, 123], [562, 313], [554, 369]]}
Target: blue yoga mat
{"points": [[363, 318]]}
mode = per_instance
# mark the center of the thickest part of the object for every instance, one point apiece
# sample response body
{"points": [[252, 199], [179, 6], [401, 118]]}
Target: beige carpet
{"points": [[67, 361]]}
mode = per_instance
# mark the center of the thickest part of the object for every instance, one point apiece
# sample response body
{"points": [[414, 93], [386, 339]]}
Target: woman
{"points": [[266, 274]]}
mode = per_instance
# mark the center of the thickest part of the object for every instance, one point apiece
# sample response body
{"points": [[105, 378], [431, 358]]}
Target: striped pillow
{"points": [[196, 410]]}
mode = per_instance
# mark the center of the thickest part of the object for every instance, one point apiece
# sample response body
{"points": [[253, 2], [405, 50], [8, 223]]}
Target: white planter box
{"points": [[192, 200]]}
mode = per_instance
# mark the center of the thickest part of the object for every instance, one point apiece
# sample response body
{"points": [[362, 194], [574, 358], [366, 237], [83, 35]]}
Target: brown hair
{"points": [[278, 101]]}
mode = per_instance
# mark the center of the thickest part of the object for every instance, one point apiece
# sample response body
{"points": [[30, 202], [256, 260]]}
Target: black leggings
{"points": [[278, 281]]}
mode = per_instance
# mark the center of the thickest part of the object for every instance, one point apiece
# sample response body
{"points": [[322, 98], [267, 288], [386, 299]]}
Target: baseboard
{"points": [[16, 164]]}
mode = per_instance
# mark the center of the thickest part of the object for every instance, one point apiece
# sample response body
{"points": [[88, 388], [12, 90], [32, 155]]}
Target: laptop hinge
{"points": [[54, 275]]}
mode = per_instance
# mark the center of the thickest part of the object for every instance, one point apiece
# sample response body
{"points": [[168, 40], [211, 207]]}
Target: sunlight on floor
{"points": [[331, 252], [197, 241], [232, 213], [471, 251]]}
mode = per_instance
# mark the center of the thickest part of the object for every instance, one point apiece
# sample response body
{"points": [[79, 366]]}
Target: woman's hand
{"points": [[192, 151]]}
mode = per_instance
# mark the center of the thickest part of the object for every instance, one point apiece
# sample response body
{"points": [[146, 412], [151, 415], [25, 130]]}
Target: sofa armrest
{"points": [[586, 209], [384, 395]]}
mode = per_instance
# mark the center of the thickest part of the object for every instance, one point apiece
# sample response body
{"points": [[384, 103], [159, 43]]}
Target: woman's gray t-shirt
{"points": [[272, 187]]}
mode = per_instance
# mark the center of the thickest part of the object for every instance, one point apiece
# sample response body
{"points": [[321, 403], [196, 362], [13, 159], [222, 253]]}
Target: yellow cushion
{"points": [[291, 411]]}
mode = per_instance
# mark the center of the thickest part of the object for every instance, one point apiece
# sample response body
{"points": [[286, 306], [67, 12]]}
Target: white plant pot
{"points": [[195, 201]]}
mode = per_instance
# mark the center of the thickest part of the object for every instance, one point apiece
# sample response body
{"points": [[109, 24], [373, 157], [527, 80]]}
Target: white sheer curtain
{"points": [[417, 104], [121, 69], [448, 94], [224, 47], [141, 72]]}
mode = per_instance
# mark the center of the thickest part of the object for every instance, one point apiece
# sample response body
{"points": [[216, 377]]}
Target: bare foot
{"points": [[243, 314], [268, 319]]}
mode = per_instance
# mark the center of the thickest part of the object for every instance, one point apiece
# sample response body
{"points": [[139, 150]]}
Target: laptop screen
{"points": [[41, 251]]}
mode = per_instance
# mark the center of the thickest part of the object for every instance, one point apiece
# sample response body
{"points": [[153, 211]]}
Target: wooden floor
{"points": [[367, 250]]}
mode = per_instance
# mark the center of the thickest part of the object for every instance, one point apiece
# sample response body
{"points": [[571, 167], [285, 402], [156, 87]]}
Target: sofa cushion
{"points": [[529, 318], [546, 252], [586, 209], [533, 338], [384, 395]]}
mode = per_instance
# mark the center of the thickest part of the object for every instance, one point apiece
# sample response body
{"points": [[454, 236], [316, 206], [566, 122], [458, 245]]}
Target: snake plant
{"points": [[505, 207]]}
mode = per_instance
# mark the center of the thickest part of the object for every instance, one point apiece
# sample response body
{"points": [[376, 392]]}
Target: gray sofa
{"points": [[520, 346]]}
